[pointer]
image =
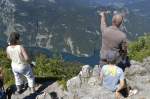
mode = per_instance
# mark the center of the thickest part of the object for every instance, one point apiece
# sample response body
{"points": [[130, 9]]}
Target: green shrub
{"points": [[55, 67], [47, 67], [6, 65], [8, 77], [140, 48]]}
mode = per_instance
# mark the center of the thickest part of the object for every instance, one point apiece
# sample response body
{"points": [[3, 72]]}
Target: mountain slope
{"points": [[70, 26]]}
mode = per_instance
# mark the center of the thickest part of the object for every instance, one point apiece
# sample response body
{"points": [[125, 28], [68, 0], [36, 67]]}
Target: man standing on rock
{"points": [[113, 39]]}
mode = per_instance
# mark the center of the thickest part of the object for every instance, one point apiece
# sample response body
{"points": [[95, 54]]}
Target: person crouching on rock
{"points": [[113, 78], [19, 62]]}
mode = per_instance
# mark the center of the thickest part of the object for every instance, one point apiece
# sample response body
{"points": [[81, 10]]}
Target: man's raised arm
{"points": [[103, 21]]}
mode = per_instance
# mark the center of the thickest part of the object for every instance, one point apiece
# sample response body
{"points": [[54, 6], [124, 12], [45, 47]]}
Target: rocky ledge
{"points": [[86, 85]]}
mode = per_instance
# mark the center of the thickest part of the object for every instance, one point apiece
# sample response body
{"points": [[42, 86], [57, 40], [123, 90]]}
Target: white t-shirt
{"points": [[15, 54]]}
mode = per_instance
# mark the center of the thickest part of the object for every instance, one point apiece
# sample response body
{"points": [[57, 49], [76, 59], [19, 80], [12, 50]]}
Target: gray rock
{"points": [[85, 72], [73, 84], [94, 79], [137, 76], [86, 85]]}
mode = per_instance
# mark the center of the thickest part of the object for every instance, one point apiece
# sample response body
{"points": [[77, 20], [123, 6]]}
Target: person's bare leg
{"points": [[117, 95]]}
